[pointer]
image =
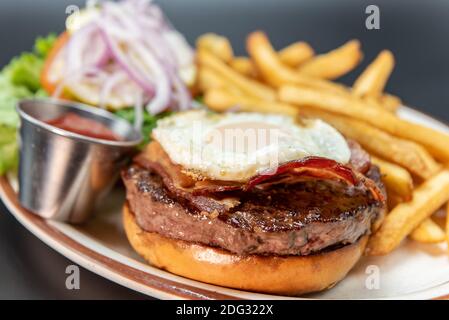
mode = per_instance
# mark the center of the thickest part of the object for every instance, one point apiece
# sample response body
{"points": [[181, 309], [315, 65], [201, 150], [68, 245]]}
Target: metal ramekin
{"points": [[62, 175]]}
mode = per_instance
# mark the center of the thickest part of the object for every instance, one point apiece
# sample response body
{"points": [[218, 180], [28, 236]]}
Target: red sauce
{"points": [[83, 126]]}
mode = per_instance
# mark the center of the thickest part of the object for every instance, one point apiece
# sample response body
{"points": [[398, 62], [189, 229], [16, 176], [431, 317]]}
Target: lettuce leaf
{"points": [[149, 122], [9, 96], [8, 149], [43, 45], [24, 71], [19, 80]]}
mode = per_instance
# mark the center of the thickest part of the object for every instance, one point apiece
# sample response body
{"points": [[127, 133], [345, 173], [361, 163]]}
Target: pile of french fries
{"points": [[296, 81]]}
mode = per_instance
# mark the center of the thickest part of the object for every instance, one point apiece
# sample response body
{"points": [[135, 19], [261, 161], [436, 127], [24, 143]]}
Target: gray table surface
{"points": [[416, 31]]}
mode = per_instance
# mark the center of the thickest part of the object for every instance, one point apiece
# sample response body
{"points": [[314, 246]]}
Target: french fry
{"points": [[364, 113], [390, 102], [209, 79], [216, 45], [440, 218], [335, 63], [428, 232], [296, 54], [387, 102], [377, 103], [276, 73], [404, 218], [246, 85], [396, 179], [393, 200], [221, 100], [372, 81], [292, 55], [244, 66], [405, 153], [447, 225], [435, 141]]}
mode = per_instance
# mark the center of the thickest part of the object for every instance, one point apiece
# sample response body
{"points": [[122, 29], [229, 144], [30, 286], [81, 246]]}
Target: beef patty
{"points": [[297, 219]]}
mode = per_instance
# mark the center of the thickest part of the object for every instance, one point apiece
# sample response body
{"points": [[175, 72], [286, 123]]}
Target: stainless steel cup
{"points": [[62, 175]]}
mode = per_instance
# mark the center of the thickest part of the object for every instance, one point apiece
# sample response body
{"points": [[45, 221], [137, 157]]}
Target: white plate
{"points": [[414, 271]]}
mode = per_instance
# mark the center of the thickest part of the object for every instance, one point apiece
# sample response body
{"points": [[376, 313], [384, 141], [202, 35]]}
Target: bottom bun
{"points": [[284, 275]]}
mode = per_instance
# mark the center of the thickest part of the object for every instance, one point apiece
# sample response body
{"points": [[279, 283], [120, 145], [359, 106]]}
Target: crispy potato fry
{"points": [[393, 200], [376, 103], [246, 85], [440, 218], [216, 45], [405, 153], [295, 54], [387, 102], [435, 141], [221, 100], [364, 113], [428, 232], [275, 72], [390, 102], [335, 63], [244, 66], [396, 178], [447, 225], [404, 218], [292, 55], [209, 79], [372, 81]]}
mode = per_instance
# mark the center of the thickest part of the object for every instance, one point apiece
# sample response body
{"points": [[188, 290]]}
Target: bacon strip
{"points": [[360, 159], [311, 166], [156, 159]]}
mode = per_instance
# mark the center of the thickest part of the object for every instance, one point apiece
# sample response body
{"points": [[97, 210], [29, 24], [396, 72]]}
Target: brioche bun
{"points": [[283, 275]]}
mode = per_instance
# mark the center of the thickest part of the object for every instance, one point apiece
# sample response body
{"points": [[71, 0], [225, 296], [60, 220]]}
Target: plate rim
{"points": [[123, 274], [96, 261]]}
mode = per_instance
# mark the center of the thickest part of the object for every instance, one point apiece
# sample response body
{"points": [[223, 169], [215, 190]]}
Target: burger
{"points": [[257, 202]]}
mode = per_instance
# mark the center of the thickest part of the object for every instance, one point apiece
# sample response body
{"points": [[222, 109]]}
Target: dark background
{"points": [[415, 30]]}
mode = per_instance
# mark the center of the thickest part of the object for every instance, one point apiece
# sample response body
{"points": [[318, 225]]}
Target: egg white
{"points": [[237, 146]]}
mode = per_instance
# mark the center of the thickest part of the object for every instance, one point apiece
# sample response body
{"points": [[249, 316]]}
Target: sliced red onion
{"points": [[182, 94], [177, 44], [101, 54], [161, 99], [75, 48], [86, 48], [127, 42], [123, 60], [138, 111], [124, 19], [153, 12], [72, 77], [157, 44], [109, 85]]}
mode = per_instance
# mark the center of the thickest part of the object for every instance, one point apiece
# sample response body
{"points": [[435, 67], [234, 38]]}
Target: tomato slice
{"points": [[47, 83]]}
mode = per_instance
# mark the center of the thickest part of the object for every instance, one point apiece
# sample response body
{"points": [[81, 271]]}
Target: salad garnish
{"points": [[123, 56]]}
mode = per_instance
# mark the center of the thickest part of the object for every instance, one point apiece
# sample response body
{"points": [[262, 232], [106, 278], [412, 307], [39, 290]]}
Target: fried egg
{"points": [[237, 146]]}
